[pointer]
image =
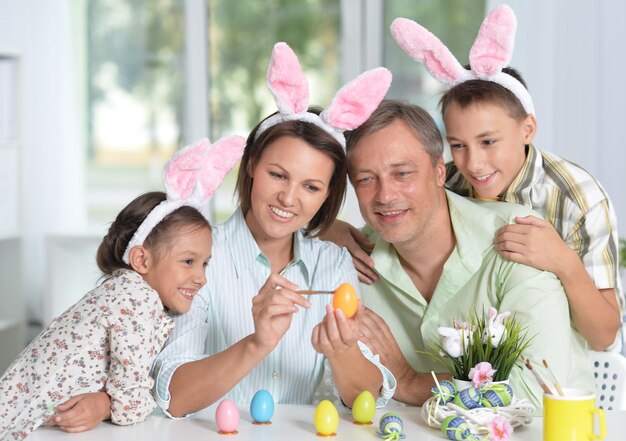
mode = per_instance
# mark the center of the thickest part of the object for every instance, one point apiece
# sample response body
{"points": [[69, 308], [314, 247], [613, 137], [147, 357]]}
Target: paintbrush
{"points": [[313, 291], [556, 383], [545, 388]]}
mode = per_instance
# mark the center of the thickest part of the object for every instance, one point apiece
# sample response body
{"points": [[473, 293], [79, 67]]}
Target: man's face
{"points": [[400, 192]]}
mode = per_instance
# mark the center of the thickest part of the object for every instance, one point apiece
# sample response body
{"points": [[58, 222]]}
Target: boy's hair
{"points": [[483, 91], [418, 119], [109, 256], [318, 139]]}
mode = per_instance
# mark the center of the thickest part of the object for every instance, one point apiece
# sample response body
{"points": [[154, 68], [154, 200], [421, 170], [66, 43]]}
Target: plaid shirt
{"points": [[570, 199]]}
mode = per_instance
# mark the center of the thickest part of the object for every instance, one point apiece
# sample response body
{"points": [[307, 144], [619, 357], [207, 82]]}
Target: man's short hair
{"points": [[418, 119]]}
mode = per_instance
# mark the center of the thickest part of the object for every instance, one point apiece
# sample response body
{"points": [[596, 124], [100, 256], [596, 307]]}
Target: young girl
{"points": [[100, 350], [291, 185]]}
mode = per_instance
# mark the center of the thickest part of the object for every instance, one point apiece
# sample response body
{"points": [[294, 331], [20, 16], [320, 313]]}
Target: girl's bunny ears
{"points": [[491, 52], [350, 108], [191, 177]]}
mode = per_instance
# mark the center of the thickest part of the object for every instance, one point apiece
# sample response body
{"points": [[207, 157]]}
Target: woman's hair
{"points": [[113, 245], [483, 91], [318, 139], [421, 123]]}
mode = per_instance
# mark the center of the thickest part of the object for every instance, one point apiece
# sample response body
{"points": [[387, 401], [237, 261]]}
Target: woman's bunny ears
{"points": [[350, 108], [491, 52], [191, 177]]}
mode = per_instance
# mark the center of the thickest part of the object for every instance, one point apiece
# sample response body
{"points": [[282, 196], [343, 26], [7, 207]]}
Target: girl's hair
{"points": [[484, 91], [121, 231], [318, 139]]}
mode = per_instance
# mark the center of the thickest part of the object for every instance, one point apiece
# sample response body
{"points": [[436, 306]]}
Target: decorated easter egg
{"points": [[455, 428], [345, 298], [326, 418], [262, 406], [227, 417], [497, 395], [469, 398], [390, 426], [445, 392], [364, 407]]}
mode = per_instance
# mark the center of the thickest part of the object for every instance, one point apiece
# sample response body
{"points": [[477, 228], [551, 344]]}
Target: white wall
{"points": [[52, 157], [572, 54]]}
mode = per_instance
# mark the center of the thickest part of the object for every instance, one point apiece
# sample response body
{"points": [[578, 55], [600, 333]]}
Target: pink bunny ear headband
{"points": [[350, 107], [491, 51], [191, 177]]}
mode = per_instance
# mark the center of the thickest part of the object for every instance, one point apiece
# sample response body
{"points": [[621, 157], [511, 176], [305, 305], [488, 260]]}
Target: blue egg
{"points": [[262, 406]]}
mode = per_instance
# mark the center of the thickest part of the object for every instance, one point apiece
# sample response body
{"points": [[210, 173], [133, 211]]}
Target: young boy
{"points": [[490, 137]]}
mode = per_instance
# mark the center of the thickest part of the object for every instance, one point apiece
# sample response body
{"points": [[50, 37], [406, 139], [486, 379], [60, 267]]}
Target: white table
{"points": [[291, 422]]}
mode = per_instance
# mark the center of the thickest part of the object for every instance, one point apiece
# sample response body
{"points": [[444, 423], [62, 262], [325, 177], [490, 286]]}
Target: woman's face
{"points": [[290, 183]]}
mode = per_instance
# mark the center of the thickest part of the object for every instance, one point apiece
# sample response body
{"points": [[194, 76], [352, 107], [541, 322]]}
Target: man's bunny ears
{"points": [[191, 177], [491, 51], [350, 108]]}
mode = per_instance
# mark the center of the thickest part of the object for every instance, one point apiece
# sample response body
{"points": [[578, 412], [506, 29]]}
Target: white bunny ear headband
{"points": [[491, 51], [350, 107], [191, 177]]}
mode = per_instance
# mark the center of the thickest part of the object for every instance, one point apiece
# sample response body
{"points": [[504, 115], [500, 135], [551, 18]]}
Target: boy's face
{"points": [[487, 145]]}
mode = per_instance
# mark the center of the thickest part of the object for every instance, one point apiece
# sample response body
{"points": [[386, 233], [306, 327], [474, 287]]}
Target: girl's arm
{"points": [[83, 412]]}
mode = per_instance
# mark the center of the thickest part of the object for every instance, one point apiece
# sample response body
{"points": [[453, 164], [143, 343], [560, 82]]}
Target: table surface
{"points": [[289, 422]]}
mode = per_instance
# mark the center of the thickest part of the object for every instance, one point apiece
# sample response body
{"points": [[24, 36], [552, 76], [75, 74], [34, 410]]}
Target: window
{"points": [[137, 73]]}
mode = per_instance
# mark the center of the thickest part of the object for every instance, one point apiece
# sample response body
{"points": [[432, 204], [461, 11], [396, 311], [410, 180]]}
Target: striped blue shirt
{"points": [[221, 315]]}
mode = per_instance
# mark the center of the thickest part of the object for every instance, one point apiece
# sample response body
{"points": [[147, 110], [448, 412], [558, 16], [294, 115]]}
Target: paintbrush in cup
{"points": [[545, 388], [556, 383]]}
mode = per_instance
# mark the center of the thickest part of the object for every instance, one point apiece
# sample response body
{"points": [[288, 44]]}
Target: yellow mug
{"points": [[570, 417]]}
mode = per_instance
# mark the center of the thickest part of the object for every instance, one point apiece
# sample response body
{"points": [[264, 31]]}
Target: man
{"points": [[435, 260]]}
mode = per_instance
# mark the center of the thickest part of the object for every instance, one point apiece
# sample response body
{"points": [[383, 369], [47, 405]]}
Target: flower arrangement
{"points": [[485, 349]]}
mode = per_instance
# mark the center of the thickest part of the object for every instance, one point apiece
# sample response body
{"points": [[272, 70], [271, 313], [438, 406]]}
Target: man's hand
{"points": [[378, 337], [534, 242], [83, 412], [345, 235]]}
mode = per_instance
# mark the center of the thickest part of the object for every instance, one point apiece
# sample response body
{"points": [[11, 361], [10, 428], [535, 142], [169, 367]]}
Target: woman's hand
{"points": [[83, 412], [336, 334], [272, 309]]}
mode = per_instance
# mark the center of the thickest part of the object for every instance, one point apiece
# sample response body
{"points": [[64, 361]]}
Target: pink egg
{"points": [[227, 417]]}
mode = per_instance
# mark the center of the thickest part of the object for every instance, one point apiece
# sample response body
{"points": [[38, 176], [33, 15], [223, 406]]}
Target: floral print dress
{"points": [[105, 342]]}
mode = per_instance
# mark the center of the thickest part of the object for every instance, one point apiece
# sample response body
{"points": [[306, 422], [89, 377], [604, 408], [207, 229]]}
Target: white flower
{"points": [[456, 340], [495, 328]]}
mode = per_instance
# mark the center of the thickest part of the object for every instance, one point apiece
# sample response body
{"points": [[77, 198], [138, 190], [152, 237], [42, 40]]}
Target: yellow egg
{"points": [[345, 299], [326, 418], [364, 407]]}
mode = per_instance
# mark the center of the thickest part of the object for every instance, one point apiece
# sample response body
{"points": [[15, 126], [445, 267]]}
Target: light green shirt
{"points": [[473, 278]]}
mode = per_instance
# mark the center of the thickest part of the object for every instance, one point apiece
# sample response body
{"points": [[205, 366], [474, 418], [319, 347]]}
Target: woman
{"points": [[291, 185]]}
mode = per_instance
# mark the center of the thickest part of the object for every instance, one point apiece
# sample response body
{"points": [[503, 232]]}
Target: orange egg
{"points": [[345, 298]]}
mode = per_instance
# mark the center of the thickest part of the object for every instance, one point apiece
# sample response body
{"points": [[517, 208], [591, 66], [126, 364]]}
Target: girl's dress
{"points": [[105, 342]]}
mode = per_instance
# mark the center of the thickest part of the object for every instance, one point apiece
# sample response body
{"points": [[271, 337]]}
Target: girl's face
{"points": [[290, 183], [177, 272], [487, 145]]}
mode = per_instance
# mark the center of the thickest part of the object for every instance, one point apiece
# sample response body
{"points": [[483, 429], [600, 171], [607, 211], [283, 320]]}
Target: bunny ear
{"points": [[286, 81], [181, 170], [423, 46], [223, 156], [356, 101], [494, 44]]}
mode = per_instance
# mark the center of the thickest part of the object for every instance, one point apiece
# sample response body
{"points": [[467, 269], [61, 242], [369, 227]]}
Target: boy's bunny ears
{"points": [[350, 108], [491, 51], [191, 177]]}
